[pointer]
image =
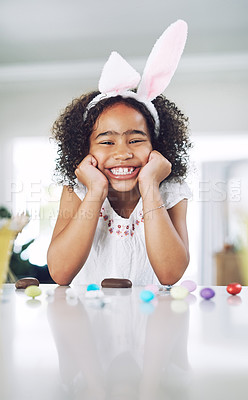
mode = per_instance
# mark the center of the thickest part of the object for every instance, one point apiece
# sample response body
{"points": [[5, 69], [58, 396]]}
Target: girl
{"points": [[123, 157]]}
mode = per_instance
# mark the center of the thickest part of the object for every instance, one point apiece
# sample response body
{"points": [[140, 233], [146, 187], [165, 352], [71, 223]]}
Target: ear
{"points": [[117, 75], [163, 60]]}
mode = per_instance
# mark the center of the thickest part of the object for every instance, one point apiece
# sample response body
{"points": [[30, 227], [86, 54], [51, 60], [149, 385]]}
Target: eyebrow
{"points": [[129, 132]]}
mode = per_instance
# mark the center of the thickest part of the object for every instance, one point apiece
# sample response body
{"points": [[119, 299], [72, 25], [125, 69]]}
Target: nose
{"points": [[122, 152]]}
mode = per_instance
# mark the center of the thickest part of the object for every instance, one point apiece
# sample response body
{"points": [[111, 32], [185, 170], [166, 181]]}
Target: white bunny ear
{"points": [[163, 60], [117, 75]]}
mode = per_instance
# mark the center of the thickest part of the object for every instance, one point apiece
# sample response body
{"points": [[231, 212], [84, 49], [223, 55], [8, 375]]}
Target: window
{"points": [[33, 191], [220, 192]]}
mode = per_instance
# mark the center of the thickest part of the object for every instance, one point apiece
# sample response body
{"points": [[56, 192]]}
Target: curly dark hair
{"points": [[72, 132]]}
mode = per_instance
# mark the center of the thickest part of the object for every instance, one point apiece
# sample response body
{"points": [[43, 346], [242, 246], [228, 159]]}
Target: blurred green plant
{"points": [[4, 213], [19, 267]]}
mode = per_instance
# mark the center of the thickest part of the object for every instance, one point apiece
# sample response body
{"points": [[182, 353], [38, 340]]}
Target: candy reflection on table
{"points": [[120, 346]]}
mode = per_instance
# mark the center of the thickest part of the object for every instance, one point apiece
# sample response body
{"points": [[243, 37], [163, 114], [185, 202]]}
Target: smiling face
{"points": [[121, 144]]}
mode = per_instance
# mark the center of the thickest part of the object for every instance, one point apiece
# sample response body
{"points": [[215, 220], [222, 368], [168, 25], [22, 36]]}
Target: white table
{"points": [[59, 348]]}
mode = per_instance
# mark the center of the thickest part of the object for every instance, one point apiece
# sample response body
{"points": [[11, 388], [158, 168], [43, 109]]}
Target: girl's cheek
{"points": [[148, 156], [94, 152]]}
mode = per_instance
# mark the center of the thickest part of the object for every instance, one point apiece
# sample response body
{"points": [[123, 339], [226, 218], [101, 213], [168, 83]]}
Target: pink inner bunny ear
{"points": [[117, 75], [163, 60]]}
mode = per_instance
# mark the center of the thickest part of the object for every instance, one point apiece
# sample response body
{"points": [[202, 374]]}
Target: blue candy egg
{"points": [[146, 295], [93, 286]]}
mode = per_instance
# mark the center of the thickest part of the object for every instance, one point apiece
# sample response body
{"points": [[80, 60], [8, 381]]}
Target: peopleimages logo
{"points": [[35, 191], [218, 190], [202, 191]]}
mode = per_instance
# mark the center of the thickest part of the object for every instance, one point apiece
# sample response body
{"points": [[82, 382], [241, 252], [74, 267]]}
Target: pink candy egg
{"points": [[190, 285], [152, 288]]}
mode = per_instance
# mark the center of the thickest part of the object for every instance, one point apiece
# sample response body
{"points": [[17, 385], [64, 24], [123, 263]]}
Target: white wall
{"points": [[212, 91]]}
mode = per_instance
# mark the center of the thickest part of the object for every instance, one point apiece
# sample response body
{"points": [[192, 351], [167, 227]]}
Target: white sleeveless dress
{"points": [[118, 249]]}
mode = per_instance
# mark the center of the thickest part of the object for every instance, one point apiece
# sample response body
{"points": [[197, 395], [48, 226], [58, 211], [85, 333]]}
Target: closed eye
{"points": [[107, 142], [137, 141]]}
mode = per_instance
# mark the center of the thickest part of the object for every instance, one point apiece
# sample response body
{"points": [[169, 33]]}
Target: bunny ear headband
{"points": [[118, 77]]}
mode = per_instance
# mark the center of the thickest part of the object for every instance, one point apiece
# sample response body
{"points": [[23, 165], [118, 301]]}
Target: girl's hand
{"points": [[91, 177], [154, 172]]}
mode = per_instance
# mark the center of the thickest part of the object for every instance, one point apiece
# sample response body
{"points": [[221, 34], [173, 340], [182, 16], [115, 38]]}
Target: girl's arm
{"points": [[76, 225], [165, 231]]}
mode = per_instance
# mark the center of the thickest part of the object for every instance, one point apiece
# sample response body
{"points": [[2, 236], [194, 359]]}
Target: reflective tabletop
{"points": [[61, 346]]}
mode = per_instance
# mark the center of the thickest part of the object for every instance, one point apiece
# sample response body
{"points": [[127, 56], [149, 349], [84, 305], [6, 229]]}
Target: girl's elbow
{"points": [[55, 272], [168, 280], [56, 276], [172, 276]]}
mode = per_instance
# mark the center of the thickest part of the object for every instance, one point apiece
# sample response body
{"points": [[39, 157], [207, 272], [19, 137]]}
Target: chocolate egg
{"points": [[234, 288], [25, 282], [116, 283]]}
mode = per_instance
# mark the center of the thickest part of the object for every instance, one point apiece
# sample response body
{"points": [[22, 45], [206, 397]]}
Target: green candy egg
{"points": [[33, 291]]}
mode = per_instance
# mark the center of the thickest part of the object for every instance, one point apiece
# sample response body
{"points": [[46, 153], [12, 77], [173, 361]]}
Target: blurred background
{"points": [[53, 51]]}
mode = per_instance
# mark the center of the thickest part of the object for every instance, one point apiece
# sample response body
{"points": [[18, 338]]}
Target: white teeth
{"points": [[122, 171]]}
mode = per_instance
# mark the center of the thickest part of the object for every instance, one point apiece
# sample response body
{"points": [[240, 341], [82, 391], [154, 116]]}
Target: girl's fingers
{"points": [[89, 160], [93, 160], [156, 155], [157, 168], [152, 155]]}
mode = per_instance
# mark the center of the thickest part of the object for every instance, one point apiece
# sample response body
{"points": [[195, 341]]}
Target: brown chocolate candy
{"points": [[116, 283], [25, 282]]}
